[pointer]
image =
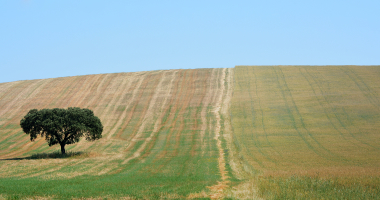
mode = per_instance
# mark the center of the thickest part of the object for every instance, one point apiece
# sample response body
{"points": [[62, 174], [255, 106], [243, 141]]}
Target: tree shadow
{"points": [[53, 155]]}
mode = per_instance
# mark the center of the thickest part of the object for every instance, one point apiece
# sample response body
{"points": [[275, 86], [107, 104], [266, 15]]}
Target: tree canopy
{"points": [[62, 126]]}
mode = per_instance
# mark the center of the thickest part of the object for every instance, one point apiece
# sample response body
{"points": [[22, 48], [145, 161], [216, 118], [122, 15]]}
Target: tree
{"points": [[62, 126]]}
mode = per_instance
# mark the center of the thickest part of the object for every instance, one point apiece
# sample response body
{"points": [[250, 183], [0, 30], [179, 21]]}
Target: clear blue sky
{"points": [[47, 39]]}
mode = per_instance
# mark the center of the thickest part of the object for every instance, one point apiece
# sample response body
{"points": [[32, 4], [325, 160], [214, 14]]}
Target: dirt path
{"points": [[223, 184]]}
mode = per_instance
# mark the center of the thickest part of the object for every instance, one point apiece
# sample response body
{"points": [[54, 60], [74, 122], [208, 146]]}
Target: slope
{"points": [[308, 121], [160, 140]]}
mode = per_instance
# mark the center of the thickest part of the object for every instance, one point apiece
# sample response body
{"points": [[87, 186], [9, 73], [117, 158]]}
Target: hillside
{"points": [[323, 119], [309, 132], [156, 124], [270, 131]]}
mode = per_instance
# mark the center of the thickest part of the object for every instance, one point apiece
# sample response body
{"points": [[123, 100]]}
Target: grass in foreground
{"points": [[308, 187], [140, 186]]}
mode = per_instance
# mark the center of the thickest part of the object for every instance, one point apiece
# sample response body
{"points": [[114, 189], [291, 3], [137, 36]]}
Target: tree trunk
{"points": [[63, 149]]}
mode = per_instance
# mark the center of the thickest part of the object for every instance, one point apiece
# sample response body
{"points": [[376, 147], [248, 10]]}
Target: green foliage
{"points": [[62, 126]]}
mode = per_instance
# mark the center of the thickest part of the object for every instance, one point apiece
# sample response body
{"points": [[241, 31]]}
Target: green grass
{"points": [[307, 187], [111, 186]]}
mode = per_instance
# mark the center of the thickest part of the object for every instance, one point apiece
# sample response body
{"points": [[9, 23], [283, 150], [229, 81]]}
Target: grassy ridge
{"points": [[305, 121], [158, 139]]}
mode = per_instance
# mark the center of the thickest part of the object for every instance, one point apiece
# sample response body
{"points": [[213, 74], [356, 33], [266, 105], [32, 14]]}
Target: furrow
{"points": [[101, 92], [87, 91], [209, 94], [19, 100], [98, 104], [57, 91], [336, 114], [18, 111], [148, 117], [291, 110], [234, 162], [170, 122], [107, 97], [134, 110], [21, 109], [262, 117], [121, 116], [73, 92], [82, 91], [318, 92], [6, 89], [61, 98], [140, 109], [223, 184], [113, 96], [362, 86], [183, 100], [254, 117], [11, 93], [198, 100], [166, 90], [97, 92], [127, 116]]}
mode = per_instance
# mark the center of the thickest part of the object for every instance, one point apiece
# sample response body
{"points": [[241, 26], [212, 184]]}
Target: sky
{"points": [[47, 39]]}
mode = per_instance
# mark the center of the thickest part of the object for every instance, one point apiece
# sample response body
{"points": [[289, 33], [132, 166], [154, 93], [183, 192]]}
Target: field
{"points": [[249, 132], [309, 131], [161, 137]]}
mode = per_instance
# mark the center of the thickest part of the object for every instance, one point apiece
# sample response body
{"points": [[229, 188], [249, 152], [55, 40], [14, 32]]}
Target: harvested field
{"points": [[315, 123], [161, 136], [271, 132]]}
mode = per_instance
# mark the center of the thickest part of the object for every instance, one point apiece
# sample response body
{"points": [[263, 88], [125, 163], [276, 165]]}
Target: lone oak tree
{"points": [[62, 126]]}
